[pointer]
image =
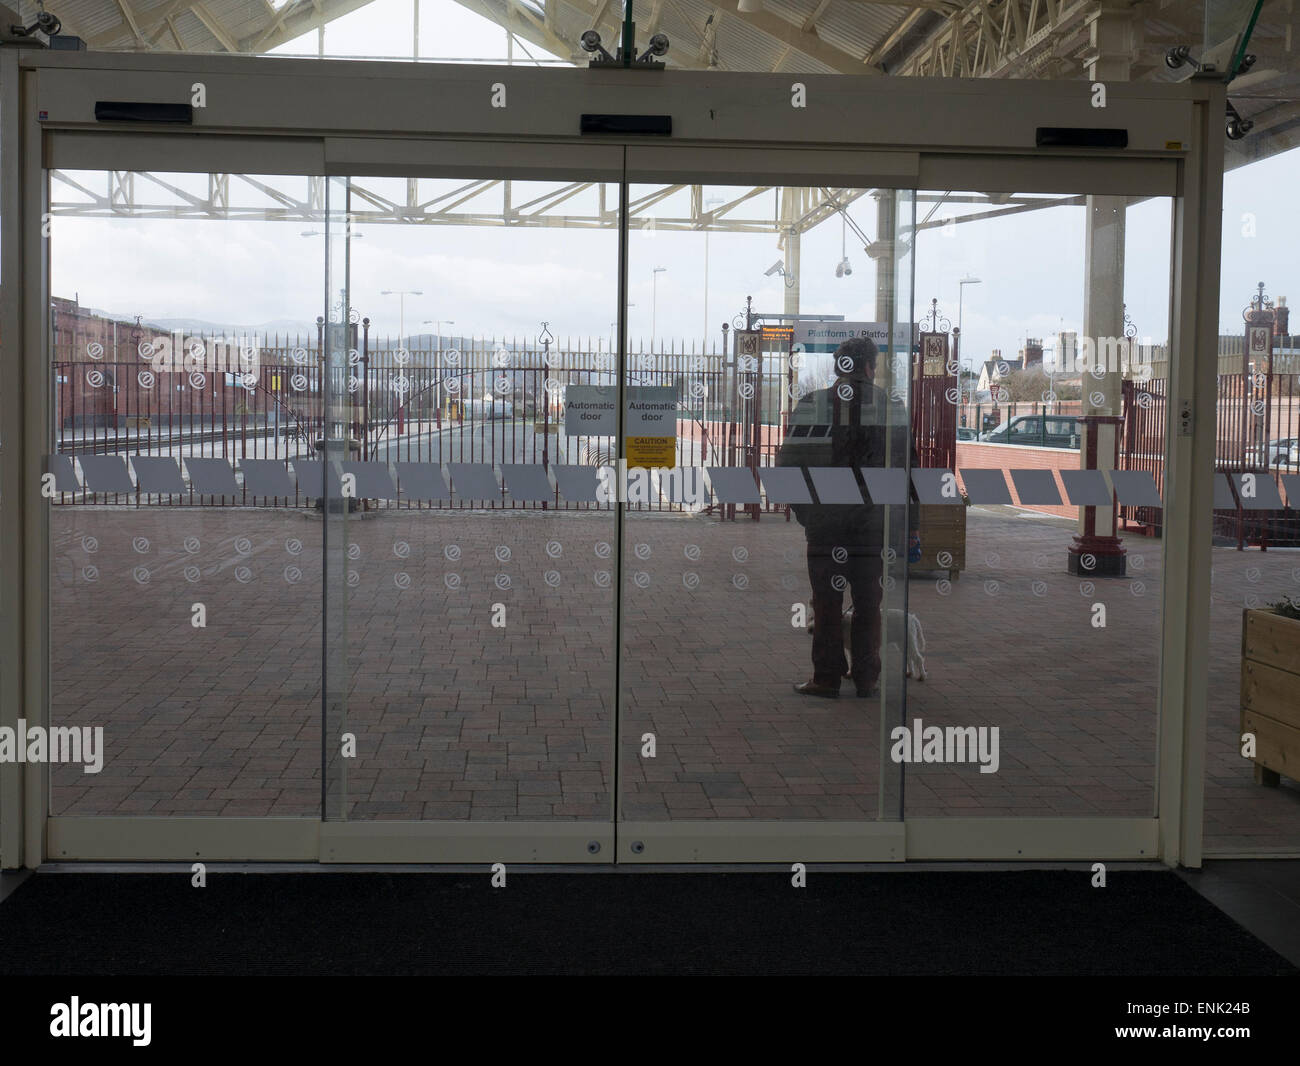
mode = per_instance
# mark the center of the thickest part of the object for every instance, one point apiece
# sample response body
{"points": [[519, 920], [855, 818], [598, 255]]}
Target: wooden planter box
{"points": [[943, 529], [1270, 692]]}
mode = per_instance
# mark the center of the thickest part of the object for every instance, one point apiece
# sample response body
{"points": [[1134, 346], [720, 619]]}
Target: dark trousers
{"points": [[860, 571]]}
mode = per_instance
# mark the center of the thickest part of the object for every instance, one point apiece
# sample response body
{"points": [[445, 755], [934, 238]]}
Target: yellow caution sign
{"points": [[650, 451]]}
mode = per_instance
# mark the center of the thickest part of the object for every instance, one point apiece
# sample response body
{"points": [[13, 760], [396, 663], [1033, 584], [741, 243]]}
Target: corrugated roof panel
{"points": [[860, 28], [243, 18]]}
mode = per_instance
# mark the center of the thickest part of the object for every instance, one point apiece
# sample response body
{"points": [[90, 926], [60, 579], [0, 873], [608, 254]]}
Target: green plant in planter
{"points": [[1287, 607]]}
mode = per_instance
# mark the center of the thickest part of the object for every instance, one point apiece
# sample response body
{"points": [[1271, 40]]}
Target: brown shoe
{"points": [[812, 688]]}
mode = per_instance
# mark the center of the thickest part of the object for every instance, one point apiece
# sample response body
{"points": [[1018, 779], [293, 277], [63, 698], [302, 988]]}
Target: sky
{"points": [[488, 281]]}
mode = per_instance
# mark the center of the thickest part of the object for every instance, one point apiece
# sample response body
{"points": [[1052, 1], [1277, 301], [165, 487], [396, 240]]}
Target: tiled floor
{"points": [[459, 718]]}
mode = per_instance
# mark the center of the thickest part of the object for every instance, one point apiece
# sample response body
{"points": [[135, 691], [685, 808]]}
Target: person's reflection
{"points": [[853, 423]]}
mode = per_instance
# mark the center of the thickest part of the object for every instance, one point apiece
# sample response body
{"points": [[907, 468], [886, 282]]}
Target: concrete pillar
{"points": [[886, 297], [1097, 549], [790, 213]]}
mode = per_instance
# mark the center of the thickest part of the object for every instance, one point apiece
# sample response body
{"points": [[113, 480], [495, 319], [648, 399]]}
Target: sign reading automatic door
{"points": [[650, 426], [649, 423]]}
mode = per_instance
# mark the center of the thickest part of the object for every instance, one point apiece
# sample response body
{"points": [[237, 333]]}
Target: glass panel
{"points": [[1252, 802], [479, 560], [1042, 661], [185, 582], [735, 578]]}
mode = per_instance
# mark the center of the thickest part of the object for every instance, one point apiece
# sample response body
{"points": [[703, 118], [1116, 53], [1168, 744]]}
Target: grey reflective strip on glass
{"points": [[835, 484], [1262, 495], [473, 481], [309, 473], [527, 482], [930, 486], [158, 474], [985, 486], [1086, 488], [64, 471], [1292, 483], [577, 483], [211, 477], [734, 484], [885, 484], [105, 473], [421, 481], [374, 480], [1224, 500], [266, 477], [785, 484], [1135, 488], [1036, 488]]}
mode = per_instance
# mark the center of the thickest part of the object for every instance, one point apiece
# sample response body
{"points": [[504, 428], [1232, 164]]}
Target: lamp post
{"points": [[438, 323], [712, 201], [401, 295], [961, 291], [654, 301]]}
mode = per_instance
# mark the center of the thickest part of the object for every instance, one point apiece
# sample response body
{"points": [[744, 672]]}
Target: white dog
{"points": [[894, 638]]}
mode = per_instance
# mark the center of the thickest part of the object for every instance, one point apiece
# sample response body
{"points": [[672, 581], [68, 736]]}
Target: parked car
{"points": [[1281, 452], [1040, 431], [1289, 455], [490, 408]]}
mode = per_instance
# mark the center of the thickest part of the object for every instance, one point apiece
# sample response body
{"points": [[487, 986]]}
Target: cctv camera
{"points": [[590, 41], [776, 268]]}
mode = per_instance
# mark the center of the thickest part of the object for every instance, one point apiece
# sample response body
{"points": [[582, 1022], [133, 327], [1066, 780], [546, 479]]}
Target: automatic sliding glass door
{"points": [[474, 619], [381, 510], [767, 446]]}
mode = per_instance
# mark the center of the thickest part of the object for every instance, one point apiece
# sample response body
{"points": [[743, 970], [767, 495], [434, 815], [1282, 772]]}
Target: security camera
{"points": [[590, 41], [1237, 128], [776, 268], [843, 268]]}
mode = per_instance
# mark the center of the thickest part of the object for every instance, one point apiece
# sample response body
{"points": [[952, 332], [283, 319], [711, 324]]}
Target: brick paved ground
{"points": [[458, 719]]}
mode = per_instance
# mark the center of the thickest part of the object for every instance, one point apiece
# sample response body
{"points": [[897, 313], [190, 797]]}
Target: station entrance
{"points": [[343, 593]]}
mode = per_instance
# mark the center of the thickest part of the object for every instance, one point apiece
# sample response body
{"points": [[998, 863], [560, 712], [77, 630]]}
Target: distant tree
{"points": [[1025, 386]]}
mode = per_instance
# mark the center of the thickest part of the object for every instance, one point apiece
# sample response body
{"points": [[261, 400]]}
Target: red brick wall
{"points": [[1007, 457]]}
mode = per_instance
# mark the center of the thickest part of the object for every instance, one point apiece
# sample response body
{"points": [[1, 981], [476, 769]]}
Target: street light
{"points": [[654, 301], [612, 327], [961, 291], [438, 322], [712, 201], [401, 295]]}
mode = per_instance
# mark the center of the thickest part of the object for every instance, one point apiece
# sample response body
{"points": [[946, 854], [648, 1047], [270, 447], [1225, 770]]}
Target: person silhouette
{"points": [[855, 424]]}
